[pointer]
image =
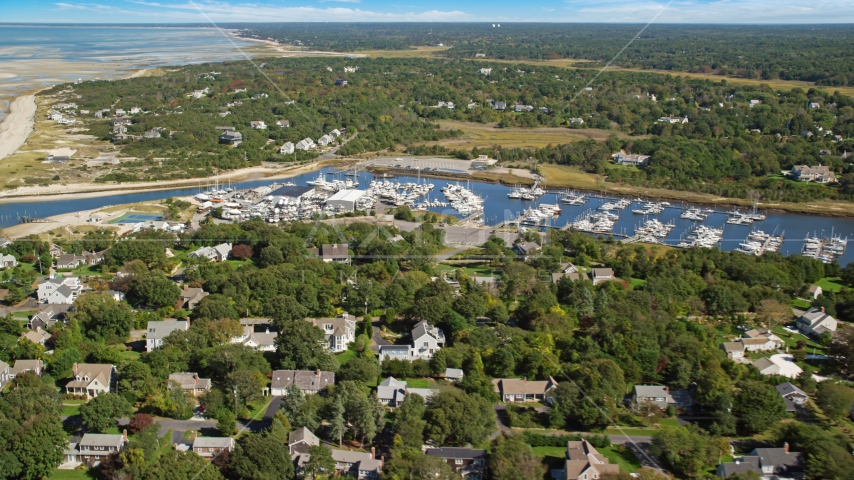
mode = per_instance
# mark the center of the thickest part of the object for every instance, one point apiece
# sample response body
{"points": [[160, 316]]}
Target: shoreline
{"points": [[90, 190], [18, 124]]}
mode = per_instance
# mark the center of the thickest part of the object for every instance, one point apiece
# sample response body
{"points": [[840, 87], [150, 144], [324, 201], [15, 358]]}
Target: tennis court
{"points": [[132, 217]]}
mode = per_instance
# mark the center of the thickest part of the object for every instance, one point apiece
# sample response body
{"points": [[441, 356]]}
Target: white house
{"points": [[426, 340], [258, 125], [287, 148], [309, 381], [734, 351], [807, 173], [59, 290], [305, 144], [484, 71], [8, 261], [781, 365], [674, 120], [259, 341], [215, 254], [91, 379], [815, 322], [815, 291], [623, 158], [340, 331], [324, 140], [157, 331]]}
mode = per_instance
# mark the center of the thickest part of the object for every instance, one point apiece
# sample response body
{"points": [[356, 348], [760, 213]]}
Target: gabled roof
{"points": [[518, 386], [650, 391], [159, 330], [733, 346], [453, 373], [393, 382], [423, 328], [303, 435], [101, 439], [763, 363], [454, 452], [304, 379], [347, 456], [788, 389], [213, 442], [190, 380]]}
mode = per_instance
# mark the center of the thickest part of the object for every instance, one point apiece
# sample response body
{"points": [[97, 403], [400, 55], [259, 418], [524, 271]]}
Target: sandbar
{"points": [[18, 125]]}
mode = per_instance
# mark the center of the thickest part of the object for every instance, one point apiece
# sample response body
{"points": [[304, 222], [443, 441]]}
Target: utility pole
{"points": [[235, 401]]}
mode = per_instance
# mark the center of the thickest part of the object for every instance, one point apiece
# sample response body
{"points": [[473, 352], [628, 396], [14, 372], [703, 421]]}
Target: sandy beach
{"points": [[18, 124], [88, 190]]}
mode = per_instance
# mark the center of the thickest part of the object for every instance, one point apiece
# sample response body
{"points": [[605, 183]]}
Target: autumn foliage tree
{"points": [[241, 252], [140, 421]]}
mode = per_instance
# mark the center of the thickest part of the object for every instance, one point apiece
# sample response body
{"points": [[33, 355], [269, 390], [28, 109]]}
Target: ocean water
{"points": [[34, 56]]}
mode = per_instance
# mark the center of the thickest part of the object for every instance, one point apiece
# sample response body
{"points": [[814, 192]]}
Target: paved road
{"points": [[377, 340]]}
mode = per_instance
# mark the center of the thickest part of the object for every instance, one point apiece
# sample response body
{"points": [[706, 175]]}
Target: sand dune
{"points": [[18, 124]]}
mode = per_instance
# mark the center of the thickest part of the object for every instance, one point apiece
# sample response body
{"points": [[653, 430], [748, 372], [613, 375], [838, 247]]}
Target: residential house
{"points": [[309, 381], [59, 290], [454, 374], [217, 253], [324, 140], [657, 394], [190, 382], [55, 251], [792, 395], [426, 340], [599, 275], [674, 120], [94, 448], [231, 137], [484, 71], [734, 351], [341, 82], [305, 144], [91, 379], [261, 341], [467, 462], [37, 336], [815, 291], [151, 134], [300, 439], [283, 123], [754, 103], [576, 121], [333, 252], [522, 390], [768, 463], [623, 158], [781, 365], [22, 366], [287, 148], [498, 105], [8, 261], [258, 125], [190, 297], [210, 447], [48, 316], [584, 462], [157, 331], [807, 173], [816, 321], [391, 392], [526, 249], [4, 374], [523, 108], [815, 105], [335, 133], [359, 465], [340, 331], [757, 340]]}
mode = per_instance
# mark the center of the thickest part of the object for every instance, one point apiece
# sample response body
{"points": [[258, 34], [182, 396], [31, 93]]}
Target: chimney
{"points": [[74, 369], [822, 310], [373, 453], [667, 390], [786, 447], [185, 287], [125, 434], [525, 379], [318, 372], [382, 461]]}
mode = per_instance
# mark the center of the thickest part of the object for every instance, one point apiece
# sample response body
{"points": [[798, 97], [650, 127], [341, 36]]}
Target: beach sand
{"points": [[89, 190], [16, 127]]}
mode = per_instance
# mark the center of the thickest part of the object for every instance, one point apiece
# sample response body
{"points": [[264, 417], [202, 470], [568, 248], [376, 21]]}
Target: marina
{"points": [[492, 205]]}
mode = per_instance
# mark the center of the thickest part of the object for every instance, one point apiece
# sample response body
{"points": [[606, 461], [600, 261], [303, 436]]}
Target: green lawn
{"points": [[831, 284], [70, 410], [636, 282], [801, 303], [417, 383], [129, 355], [791, 339], [346, 356], [73, 475]]}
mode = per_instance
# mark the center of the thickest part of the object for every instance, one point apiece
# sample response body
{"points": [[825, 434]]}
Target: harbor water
{"points": [[498, 208]]}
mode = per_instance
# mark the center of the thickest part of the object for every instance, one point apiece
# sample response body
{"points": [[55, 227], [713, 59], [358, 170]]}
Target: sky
{"points": [[623, 11]]}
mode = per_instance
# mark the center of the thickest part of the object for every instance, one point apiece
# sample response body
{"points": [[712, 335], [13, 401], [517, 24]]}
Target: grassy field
{"points": [[71, 408], [73, 475], [417, 383], [488, 134], [346, 356], [791, 340], [800, 303], [831, 284], [636, 282]]}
